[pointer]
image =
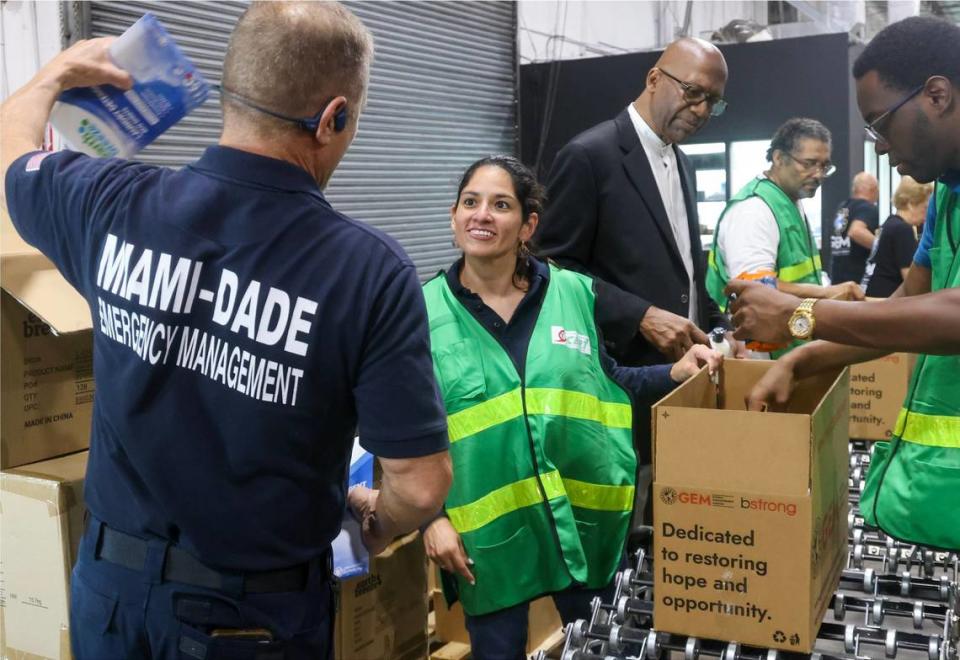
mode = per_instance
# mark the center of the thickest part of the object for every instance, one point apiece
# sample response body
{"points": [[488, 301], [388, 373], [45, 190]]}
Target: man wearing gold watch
{"points": [[908, 90]]}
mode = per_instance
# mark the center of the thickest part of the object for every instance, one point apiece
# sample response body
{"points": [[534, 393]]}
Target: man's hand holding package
{"points": [[363, 505], [88, 63], [671, 334], [23, 117], [761, 313]]}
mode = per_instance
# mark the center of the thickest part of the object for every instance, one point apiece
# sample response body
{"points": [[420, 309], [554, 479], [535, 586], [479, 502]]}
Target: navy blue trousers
{"points": [[118, 613], [502, 635]]}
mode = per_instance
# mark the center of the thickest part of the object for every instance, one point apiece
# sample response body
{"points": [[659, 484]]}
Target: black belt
{"points": [[179, 566]]}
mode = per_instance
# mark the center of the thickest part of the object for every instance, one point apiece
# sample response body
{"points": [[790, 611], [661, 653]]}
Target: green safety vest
{"points": [[913, 485], [798, 260], [544, 468]]}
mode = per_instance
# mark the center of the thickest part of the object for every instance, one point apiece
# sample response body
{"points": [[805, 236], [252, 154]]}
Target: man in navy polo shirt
{"points": [[244, 331]]}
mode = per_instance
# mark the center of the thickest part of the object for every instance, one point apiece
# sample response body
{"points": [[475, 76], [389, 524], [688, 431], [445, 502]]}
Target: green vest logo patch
{"points": [[578, 341]]}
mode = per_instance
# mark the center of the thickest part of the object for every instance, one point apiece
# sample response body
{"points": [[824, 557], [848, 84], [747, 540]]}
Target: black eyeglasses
{"points": [[871, 128], [828, 168], [695, 95]]}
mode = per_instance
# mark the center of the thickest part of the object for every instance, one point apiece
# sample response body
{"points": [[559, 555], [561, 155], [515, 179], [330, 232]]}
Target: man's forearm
{"points": [[412, 493], [23, 118], [802, 290], [928, 323], [820, 356]]}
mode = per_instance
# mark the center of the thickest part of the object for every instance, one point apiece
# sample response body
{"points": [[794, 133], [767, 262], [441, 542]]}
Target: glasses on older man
{"points": [[810, 165], [695, 95], [871, 128]]}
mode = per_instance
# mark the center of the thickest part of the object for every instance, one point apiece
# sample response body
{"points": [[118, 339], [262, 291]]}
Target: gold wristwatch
{"points": [[802, 323]]}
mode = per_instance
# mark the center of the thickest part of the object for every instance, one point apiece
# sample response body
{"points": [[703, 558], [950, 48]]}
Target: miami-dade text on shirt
{"points": [[170, 284]]}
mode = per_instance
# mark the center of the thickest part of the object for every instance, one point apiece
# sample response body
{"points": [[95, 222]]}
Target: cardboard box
{"points": [[877, 391], [46, 375], [450, 626], [41, 520], [384, 614], [749, 509]]}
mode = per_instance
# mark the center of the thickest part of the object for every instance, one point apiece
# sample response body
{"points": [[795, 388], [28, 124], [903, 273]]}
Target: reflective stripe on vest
{"points": [[526, 492], [797, 272], [540, 401], [929, 430]]}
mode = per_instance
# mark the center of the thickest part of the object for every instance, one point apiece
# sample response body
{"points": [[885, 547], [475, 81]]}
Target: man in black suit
{"points": [[622, 207]]}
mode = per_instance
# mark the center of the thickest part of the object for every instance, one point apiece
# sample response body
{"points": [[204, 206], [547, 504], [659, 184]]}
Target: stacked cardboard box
{"points": [[750, 509], [46, 404], [46, 377], [42, 521], [877, 391]]}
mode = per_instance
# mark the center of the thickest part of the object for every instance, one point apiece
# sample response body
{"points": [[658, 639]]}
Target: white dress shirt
{"points": [[666, 172]]}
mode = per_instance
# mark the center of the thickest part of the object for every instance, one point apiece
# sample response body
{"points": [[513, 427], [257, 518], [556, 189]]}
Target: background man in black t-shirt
{"points": [[854, 227], [896, 242]]}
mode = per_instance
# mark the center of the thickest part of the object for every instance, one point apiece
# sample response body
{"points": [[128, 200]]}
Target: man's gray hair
{"points": [[292, 57], [794, 130]]}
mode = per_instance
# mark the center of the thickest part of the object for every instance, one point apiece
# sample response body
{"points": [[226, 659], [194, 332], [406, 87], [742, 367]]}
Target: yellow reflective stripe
{"points": [[552, 484], [711, 260], [798, 271], [929, 430], [566, 403], [599, 497], [540, 401], [817, 262], [502, 501], [526, 492], [484, 415]]}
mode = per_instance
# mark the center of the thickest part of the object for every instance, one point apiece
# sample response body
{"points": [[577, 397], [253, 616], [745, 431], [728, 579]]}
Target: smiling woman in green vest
{"points": [[540, 419]]}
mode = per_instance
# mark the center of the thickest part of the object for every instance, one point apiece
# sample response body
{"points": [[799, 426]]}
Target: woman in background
{"points": [[896, 242], [540, 419]]}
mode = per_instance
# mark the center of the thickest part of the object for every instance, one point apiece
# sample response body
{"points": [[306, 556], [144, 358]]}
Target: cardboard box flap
{"points": [[46, 480], [833, 409], [34, 281], [738, 378], [729, 456], [69, 468]]}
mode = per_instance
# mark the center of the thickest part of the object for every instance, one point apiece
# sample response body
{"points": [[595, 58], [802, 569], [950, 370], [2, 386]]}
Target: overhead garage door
{"points": [[442, 93]]}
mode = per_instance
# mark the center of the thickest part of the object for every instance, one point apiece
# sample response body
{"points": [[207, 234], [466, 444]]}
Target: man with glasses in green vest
{"points": [[908, 90], [763, 229]]}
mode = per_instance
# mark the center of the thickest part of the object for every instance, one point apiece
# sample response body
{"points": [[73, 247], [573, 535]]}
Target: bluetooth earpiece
{"points": [[306, 123], [340, 119]]}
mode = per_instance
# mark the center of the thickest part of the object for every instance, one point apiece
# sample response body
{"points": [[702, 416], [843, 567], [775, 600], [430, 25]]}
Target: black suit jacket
{"points": [[604, 216]]}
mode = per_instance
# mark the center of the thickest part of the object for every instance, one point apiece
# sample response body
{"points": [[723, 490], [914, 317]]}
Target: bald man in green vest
{"points": [[908, 90]]}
